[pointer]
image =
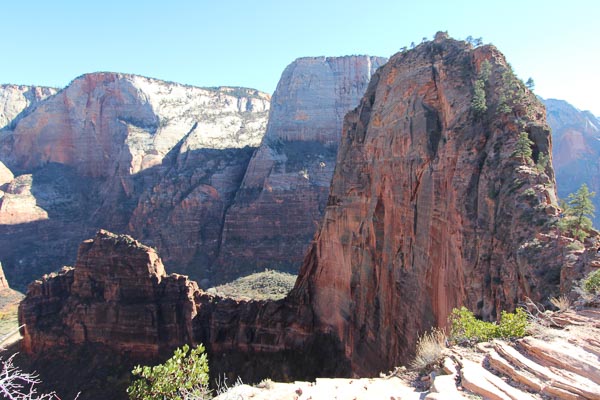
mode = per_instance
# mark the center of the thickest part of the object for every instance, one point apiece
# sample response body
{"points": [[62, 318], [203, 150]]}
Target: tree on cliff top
{"points": [[577, 213]]}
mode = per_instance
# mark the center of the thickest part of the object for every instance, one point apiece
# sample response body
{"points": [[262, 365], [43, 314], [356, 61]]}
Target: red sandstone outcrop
{"points": [[284, 192], [430, 208], [118, 295], [18, 205]]}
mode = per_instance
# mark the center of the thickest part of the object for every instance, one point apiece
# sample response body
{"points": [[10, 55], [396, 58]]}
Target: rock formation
{"points": [[18, 100], [284, 192], [118, 294], [576, 149], [164, 162], [432, 206], [127, 153]]}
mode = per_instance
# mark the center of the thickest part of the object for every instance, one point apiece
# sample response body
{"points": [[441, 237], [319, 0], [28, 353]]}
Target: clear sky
{"points": [[249, 43]]}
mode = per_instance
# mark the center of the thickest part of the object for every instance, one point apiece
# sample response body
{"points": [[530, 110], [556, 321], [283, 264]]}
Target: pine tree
{"points": [[577, 212], [530, 84], [523, 148]]}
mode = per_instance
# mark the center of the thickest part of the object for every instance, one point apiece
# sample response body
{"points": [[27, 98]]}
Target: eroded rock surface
{"points": [[17, 100], [284, 192], [131, 154], [118, 294], [430, 208]]}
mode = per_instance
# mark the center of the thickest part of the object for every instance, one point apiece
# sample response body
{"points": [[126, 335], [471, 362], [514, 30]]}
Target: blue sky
{"points": [[249, 43]]}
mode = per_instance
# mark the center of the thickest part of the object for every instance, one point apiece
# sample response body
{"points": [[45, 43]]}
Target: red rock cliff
{"points": [[430, 208], [159, 160], [118, 295]]}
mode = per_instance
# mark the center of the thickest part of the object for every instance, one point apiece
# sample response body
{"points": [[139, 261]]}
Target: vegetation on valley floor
{"points": [[266, 285]]}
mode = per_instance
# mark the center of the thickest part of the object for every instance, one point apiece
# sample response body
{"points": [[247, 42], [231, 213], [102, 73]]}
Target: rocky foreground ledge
{"points": [[561, 362]]}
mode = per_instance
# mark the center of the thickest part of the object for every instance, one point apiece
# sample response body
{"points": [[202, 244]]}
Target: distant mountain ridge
{"points": [[576, 149]]}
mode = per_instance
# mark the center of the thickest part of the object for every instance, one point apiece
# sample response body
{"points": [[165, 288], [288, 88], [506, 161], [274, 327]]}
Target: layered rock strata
{"points": [[16, 101], [432, 207], [132, 154], [118, 294], [284, 192]]}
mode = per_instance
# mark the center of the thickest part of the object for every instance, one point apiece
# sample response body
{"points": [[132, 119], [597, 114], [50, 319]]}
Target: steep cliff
{"points": [[131, 154], [17, 101], [576, 149], [118, 295], [285, 188], [432, 206]]}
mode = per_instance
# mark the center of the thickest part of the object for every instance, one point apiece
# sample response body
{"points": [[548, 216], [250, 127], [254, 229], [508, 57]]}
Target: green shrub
{"points": [[591, 284], [183, 376], [512, 325], [466, 328]]}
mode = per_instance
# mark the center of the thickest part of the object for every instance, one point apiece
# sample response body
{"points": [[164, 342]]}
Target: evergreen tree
{"points": [[479, 102], [530, 84], [577, 211], [523, 148]]}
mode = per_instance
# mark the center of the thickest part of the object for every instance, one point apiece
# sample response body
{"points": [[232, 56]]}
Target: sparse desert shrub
{"points": [[562, 302], [430, 349], [467, 328], [183, 376], [575, 246], [591, 284]]}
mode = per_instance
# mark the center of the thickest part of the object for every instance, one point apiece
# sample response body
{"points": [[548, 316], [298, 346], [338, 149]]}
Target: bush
{"points": [[591, 284], [183, 376], [466, 328], [430, 349]]}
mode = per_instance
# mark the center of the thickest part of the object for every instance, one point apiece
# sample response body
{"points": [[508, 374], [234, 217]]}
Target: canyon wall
{"points": [[175, 167], [16, 101], [132, 154], [284, 191]]}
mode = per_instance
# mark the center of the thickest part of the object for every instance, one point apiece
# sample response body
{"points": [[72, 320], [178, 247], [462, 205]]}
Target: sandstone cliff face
{"points": [[576, 149], [132, 154], [285, 187], [429, 207], [118, 299], [118, 295], [17, 100]]}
